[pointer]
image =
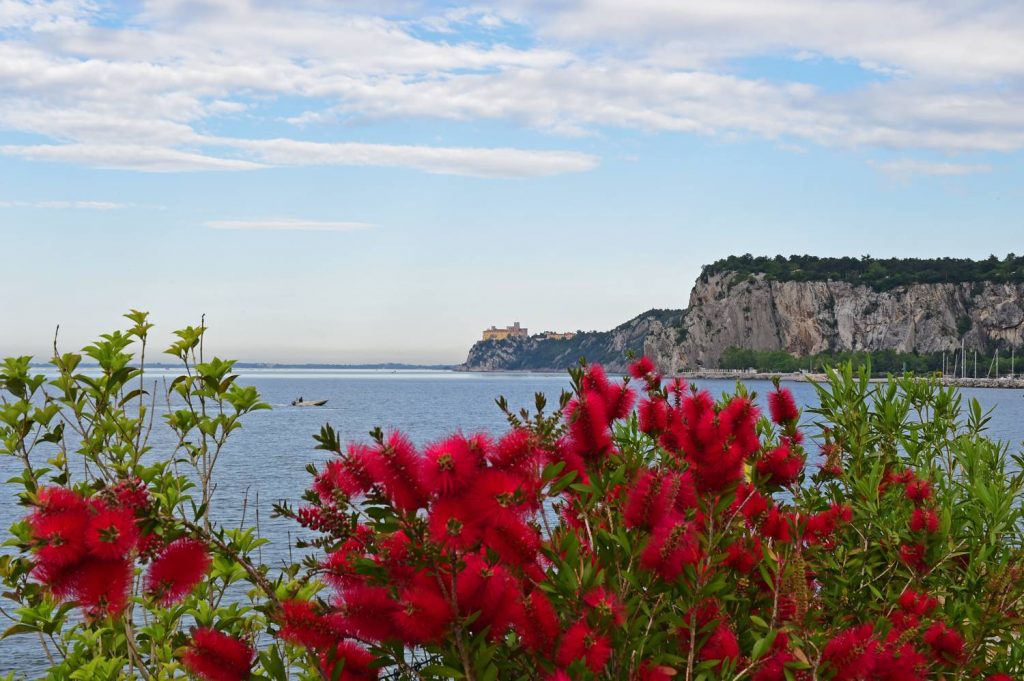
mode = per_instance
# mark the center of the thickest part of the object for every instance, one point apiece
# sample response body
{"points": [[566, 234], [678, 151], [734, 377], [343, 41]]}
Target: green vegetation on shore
{"points": [[879, 274], [881, 362]]}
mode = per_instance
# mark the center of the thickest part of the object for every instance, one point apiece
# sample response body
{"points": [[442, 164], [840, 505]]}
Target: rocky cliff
{"points": [[756, 312], [809, 317], [655, 333]]}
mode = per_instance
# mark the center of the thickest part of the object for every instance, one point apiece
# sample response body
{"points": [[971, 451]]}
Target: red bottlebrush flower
{"points": [[587, 416], [651, 672], [851, 654], [450, 466], [423, 613], [357, 663], [773, 668], [580, 642], [102, 586], [902, 664], [489, 590], [946, 644], [60, 536], [914, 556], [513, 451], [721, 645], [302, 625], [606, 605], [537, 623], [783, 407], [619, 400], [918, 490], [367, 612], [59, 499], [999, 677], [131, 494], [749, 502], [215, 656], [672, 546], [515, 542], [111, 533], [924, 520], [653, 416], [334, 480], [781, 466], [641, 368], [397, 467], [820, 526], [339, 567], [743, 556], [648, 502], [176, 571], [497, 495], [453, 524], [915, 603], [776, 525]]}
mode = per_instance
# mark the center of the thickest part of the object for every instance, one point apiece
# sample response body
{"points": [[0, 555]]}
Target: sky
{"points": [[371, 181]]}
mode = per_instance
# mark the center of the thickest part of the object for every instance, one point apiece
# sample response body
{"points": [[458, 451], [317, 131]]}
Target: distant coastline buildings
{"points": [[514, 331], [517, 331]]}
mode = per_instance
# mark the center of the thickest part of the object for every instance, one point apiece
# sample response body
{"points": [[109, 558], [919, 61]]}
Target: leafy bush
{"points": [[686, 539]]}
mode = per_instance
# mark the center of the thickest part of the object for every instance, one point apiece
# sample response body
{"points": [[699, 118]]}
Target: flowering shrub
{"points": [[642, 530]]}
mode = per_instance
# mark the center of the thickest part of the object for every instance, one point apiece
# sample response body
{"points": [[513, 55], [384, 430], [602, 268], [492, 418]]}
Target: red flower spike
{"points": [[60, 536], [946, 644], [357, 663], [423, 613], [453, 524], [177, 569], [102, 586], [215, 656], [606, 605], [914, 556], [111, 533], [672, 546], [367, 611], [580, 642], [721, 645], [513, 451], [641, 368], [304, 626], [653, 416], [924, 520], [776, 525], [397, 467], [851, 654], [783, 407], [918, 490], [781, 466], [450, 466], [537, 623]]}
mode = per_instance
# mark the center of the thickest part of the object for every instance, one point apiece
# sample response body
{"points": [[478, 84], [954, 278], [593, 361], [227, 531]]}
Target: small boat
{"points": [[308, 403]]}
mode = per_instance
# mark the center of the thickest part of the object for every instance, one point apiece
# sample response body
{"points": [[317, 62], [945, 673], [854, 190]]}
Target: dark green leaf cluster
{"points": [[879, 274]]}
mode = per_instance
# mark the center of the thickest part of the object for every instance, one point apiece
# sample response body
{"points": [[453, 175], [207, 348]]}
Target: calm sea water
{"points": [[266, 460]]}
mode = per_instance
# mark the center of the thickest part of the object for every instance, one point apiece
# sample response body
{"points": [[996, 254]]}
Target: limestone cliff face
{"points": [[654, 333], [821, 316]]}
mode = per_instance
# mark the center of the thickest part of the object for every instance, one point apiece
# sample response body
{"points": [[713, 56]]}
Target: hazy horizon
{"points": [[372, 182]]}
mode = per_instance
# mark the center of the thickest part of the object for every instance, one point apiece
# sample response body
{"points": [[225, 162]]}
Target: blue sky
{"points": [[378, 181]]}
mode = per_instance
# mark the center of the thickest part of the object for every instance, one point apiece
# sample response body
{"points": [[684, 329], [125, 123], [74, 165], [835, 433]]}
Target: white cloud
{"points": [[288, 224], [145, 96], [127, 157], [76, 205], [479, 162], [906, 167]]}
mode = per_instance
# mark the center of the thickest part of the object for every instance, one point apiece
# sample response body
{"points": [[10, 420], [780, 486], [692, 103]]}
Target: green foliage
{"points": [[881, 362], [879, 274]]}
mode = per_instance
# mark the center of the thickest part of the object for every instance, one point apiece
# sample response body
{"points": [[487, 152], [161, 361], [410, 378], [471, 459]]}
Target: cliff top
{"points": [[879, 274]]}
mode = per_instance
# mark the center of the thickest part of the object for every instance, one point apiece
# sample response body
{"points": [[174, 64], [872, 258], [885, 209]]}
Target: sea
{"points": [[266, 461]]}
